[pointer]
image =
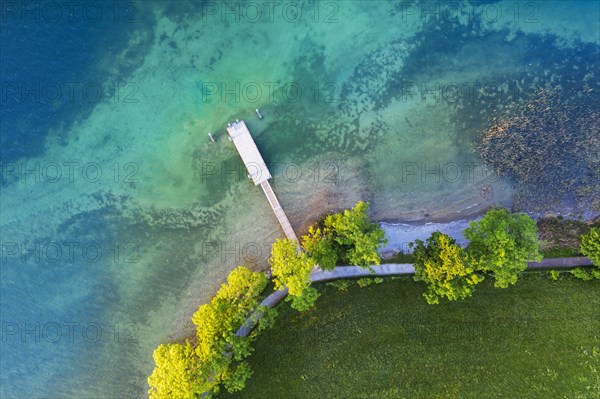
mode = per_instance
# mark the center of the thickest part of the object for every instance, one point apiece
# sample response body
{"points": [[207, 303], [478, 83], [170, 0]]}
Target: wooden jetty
{"points": [[258, 171]]}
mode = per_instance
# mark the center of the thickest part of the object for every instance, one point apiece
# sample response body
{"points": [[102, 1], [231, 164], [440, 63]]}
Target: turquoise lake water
{"points": [[119, 217]]}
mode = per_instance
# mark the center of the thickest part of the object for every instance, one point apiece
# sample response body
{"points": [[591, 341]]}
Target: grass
{"points": [[538, 339], [399, 257], [560, 252]]}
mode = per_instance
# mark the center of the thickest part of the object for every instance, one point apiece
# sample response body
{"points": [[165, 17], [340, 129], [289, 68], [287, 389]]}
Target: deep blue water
{"points": [[49, 80], [48, 66]]}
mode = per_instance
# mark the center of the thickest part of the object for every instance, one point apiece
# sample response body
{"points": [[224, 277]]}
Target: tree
{"points": [[175, 375], [503, 243], [219, 349], [590, 245], [184, 371], [321, 248], [445, 267], [292, 270], [349, 237], [236, 378], [358, 237]]}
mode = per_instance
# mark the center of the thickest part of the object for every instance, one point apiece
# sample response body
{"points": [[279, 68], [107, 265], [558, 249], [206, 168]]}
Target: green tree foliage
{"points": [[183, 371], [321, 247], [366, 282], [585, 274], [555, 275], [219, 350], [349, 237], [264, 319], [305, 301], [292, 270], [503, 243], [590, 245], [235, 378], [357, 236], [175, 375], [341, 284], [445, 267]]}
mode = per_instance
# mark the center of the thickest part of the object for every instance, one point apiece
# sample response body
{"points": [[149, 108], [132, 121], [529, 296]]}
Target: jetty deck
{"points": [[278, 210], [258, 171], [244, 143]]}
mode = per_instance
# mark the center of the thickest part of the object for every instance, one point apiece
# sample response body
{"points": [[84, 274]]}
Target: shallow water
{"points": [[110, 257]]}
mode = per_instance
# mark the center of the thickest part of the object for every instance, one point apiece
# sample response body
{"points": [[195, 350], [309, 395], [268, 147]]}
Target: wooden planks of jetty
{"points": [[278, 210], [258, 171], [246, 147]]}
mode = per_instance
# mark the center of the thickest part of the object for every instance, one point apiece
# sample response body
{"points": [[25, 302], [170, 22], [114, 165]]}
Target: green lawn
{"points": [[539, 339]]}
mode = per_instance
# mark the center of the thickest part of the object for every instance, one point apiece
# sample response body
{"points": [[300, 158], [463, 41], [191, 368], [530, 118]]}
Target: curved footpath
{"points": [[393, 269]]}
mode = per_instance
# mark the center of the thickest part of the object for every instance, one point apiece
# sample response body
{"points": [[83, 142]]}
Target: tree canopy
{"points": [[175, 375], [503, 243], [184, 371], [445, 267], [220, 351], [349, 237], [292, 269], [322, 248], [590, 245]]}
